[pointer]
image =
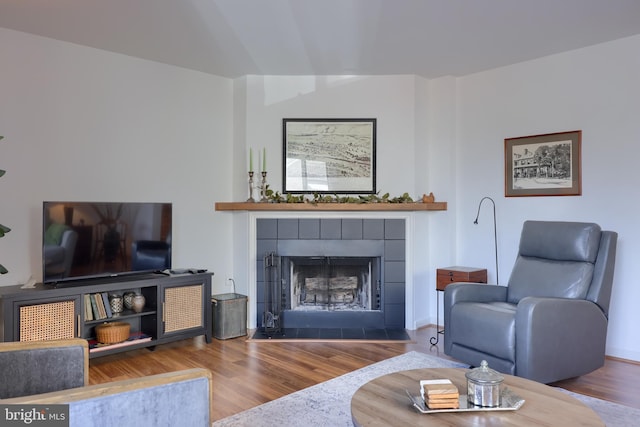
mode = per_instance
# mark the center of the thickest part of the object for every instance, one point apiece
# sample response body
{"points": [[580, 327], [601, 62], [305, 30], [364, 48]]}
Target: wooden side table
{"points": [[448, 275]]}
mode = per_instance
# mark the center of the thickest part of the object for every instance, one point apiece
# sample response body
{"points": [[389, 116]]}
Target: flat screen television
{"points": [[82, 240]]}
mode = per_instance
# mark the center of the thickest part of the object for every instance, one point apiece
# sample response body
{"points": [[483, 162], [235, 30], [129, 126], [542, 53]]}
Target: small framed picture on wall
{"points": [[543, 165]]}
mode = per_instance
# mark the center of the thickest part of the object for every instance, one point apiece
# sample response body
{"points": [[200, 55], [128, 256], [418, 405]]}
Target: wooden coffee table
{"points": [[384, 402]]}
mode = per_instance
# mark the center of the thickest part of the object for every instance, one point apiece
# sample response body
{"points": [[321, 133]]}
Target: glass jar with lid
{"points": [[483, 386]]}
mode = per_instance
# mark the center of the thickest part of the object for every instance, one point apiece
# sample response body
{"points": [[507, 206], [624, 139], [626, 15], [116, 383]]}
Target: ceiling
{"points": [[233, 38]]}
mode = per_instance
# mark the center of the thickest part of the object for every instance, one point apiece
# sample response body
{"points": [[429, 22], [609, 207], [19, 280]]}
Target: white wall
{"points": [[85, 124], [390, 99], [594, 89]]}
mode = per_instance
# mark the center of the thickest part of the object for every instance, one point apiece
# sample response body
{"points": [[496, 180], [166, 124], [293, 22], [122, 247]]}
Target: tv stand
{"points": [[176, 307]]}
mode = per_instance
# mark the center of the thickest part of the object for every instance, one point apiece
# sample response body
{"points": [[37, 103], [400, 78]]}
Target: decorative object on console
{"points": [[112, 332], [543, 165], [138, 303], [495, 232], [116, 303], [3, 229], [329, 156], [128, 299]]}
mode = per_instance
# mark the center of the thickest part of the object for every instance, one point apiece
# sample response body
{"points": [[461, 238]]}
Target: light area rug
{"points": [[329, 403]]}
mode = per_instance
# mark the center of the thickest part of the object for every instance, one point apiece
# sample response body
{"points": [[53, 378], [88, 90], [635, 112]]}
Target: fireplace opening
{"points": [[333, 283]]}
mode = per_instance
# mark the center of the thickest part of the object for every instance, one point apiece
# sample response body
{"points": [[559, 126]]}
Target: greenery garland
{"points": [[276, 197]]}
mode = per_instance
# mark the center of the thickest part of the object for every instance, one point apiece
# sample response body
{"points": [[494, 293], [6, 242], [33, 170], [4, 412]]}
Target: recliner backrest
{"points": [[555, 259]]}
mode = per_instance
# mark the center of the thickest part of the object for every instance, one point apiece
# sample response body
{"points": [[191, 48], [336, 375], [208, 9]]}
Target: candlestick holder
{"points": [[251, 199], [263, 187]]}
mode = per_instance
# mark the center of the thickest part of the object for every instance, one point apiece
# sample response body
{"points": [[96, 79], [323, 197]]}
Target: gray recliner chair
{"points": [[550, 322]]}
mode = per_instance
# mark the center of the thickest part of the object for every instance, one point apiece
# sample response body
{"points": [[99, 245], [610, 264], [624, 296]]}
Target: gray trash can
{"points": [[229, 315]]}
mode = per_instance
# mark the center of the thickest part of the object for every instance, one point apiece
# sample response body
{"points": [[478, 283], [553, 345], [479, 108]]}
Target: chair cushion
{"points": [[535, 277], [555, 259], [561, 241], [485, 327]]}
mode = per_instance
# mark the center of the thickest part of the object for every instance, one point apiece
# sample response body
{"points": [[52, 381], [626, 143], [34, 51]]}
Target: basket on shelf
{"points": [[112, 332]]}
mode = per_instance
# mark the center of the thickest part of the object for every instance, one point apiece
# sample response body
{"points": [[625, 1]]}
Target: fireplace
{"points": [[331, 273], [332, 283]]}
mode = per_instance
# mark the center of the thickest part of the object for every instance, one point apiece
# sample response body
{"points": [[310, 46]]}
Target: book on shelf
{"points": [[94, 307], [101, 311], [134, 338], [88, 310], [107, 306]]}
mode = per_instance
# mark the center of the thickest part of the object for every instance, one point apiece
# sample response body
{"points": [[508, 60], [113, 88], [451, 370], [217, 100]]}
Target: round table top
{"points": [[384, 402]]}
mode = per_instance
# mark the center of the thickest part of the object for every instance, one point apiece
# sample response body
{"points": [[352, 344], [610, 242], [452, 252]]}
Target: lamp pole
{"points": [[495, 232]]}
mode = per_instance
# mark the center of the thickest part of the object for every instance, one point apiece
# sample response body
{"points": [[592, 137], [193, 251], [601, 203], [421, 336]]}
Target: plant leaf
{"points": [[3, 270]]}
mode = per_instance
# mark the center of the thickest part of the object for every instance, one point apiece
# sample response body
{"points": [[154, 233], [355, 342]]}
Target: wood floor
{"points": [[247, 374]]}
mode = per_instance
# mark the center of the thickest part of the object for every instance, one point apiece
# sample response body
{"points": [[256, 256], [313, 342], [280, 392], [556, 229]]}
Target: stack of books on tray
{"points": [[440, 394]]}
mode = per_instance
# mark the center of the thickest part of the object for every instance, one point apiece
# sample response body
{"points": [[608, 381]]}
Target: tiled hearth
{"points": [[378, 238]]}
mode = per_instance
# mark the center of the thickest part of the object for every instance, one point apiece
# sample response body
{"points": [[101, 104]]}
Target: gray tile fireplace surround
{"points": [[375, 237]]}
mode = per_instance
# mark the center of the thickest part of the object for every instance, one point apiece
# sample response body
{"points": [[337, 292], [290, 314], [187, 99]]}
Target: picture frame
{"points": [[335, 156], [543, 165]]}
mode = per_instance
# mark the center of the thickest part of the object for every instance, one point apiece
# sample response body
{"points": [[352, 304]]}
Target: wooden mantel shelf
{"points": [[341, 207]]}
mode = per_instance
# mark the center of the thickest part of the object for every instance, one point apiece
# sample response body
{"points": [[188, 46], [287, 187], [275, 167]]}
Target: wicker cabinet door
{"points": [[47, 321], [182, 308]]}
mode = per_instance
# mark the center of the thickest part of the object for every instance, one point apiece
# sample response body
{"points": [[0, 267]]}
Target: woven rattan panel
{"points": [[49, 321], [183, 308]]}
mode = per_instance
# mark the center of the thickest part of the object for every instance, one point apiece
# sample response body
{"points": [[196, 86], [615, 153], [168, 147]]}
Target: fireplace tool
{"points": [[272, 295]]}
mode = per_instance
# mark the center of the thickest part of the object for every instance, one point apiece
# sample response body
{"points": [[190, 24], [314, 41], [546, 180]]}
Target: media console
{"points": [[176, 307]]}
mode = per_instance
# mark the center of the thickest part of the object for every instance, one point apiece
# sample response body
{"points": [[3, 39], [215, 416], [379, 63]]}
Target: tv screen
{"points": [[95, 239]]}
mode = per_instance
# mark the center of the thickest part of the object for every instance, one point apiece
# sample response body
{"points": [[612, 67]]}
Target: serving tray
{"points": [[509, 401]]}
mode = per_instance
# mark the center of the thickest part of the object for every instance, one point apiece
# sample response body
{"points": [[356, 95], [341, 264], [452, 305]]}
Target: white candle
{"points": [[264, 160], [250, 159]]}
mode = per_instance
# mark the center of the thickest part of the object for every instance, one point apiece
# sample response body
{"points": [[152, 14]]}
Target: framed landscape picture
{"points": [[335, 156], [543, 165]]}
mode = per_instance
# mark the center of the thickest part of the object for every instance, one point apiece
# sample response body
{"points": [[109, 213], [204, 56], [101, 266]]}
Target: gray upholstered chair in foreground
{"points": [[550, 322], [33, 370], [34, 367]]}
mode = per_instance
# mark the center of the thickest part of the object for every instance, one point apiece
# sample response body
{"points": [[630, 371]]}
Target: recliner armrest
{"points": [[467, 291], [547, 327]]}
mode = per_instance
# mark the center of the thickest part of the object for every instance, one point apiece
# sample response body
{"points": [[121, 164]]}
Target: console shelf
{"points": [[127, 314], [177, 307]]}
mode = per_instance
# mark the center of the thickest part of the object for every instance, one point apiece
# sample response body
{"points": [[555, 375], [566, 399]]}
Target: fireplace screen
{"points": [[333, 283]]}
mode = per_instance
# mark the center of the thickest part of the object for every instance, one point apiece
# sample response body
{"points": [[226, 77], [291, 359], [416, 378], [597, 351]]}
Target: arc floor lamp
{"points": [[495, 232]]}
